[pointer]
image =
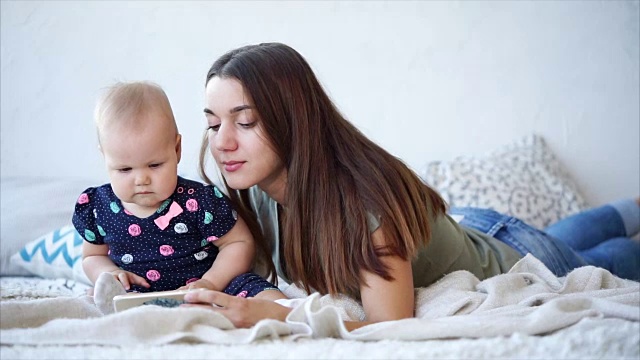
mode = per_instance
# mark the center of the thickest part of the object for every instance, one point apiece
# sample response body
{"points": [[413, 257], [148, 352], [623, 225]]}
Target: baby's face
{"points": [[142, 164]]}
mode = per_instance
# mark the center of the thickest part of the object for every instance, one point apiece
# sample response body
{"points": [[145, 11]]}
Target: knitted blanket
{"points": [[529, 299]]}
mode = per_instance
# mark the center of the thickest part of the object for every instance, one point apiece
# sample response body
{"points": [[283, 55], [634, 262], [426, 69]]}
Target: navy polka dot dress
{"points": [[170, 248]]}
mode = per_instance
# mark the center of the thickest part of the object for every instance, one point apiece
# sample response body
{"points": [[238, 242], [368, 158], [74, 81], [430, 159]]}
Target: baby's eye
{"points": [[124, 170], [154, 165]]}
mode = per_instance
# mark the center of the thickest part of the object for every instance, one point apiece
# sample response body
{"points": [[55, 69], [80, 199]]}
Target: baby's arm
{"points": [[95, 261], [235, 257]]}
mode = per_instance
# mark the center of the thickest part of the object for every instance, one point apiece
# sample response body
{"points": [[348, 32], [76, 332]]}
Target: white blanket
{"points": [[529, 299]]}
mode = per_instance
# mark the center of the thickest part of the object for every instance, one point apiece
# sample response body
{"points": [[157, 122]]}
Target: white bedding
{"points": [[527, 313]]}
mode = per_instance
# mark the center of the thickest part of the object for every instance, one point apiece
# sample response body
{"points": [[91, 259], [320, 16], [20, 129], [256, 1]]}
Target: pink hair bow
{"points": [[163, 221]]}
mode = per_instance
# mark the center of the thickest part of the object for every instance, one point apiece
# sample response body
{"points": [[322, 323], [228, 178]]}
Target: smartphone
{"points": [[169, 298]]}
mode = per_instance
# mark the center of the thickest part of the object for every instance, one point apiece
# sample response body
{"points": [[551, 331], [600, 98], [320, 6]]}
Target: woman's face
{"points": [[237, 141]]}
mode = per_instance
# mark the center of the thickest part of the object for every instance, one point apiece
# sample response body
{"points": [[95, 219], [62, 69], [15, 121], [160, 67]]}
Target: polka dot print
{"points": [[180, 228], [89, 235], [166, 250], [163, 206], [134, 230], [153, 275], [127, 258], [208, 217], [83, 199], [192, 205], [168, 258]]}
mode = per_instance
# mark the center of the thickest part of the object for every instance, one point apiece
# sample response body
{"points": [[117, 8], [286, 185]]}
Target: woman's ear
{"points": [[178, 146]]}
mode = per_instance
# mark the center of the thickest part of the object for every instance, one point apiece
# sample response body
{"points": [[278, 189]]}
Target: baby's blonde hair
{"points": [[126, 102]]}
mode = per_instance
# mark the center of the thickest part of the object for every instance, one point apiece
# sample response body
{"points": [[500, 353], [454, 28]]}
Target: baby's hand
{"points": [[198, 284], [127, 278]]}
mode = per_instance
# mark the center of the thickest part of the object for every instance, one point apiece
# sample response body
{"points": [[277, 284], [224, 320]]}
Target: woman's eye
{"points": [[214, 127], [247, 125]]}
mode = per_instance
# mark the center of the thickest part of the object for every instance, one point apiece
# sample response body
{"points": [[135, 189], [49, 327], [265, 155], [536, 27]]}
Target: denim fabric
{"points": [[591, 227], [596, 237]]}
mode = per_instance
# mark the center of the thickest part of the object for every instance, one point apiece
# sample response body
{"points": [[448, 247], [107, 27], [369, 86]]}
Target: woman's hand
{"points": [[242, 312]]}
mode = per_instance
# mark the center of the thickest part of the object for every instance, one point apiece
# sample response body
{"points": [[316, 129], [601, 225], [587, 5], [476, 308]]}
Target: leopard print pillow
{"points": [[523, 179]]}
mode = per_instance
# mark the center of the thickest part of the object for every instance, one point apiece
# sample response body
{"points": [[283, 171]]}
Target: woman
{"points": [[341, 215]]}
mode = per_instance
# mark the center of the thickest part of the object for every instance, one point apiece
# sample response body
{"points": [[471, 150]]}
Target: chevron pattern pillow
{"points": [[57, 254]]}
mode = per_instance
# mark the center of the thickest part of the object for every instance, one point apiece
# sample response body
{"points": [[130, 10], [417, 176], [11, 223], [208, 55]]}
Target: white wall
{"points": [[427, 80]]}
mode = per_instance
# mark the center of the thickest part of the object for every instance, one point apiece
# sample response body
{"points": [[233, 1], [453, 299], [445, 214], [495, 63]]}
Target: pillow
{"points": [[57, 254], [522, 179], [32, 206]]}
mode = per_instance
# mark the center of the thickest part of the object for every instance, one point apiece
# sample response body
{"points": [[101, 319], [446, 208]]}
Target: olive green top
{"points": [[452, 247]]}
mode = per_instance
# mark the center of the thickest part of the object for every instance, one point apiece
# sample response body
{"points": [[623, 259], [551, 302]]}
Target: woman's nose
{"points": [[225, 139]]}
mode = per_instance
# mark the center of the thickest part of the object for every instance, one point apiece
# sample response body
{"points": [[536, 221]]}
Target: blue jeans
{"points": [[599, 237]]}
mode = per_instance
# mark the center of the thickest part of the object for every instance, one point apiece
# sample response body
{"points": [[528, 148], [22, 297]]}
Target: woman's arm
{"points": [[382, 300], [385, 300]]}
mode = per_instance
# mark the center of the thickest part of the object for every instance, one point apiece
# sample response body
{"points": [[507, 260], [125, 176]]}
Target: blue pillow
{"points": [[57, 254]]}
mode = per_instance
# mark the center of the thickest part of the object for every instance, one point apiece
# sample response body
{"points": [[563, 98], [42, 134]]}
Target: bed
{"points": [[526, 313]]}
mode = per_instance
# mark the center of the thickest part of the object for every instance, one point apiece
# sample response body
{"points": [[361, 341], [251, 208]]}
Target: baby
{"points": [[150, 229]]}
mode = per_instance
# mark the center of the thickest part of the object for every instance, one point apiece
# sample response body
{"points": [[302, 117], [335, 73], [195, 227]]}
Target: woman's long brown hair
{"points": [[335, 176]]}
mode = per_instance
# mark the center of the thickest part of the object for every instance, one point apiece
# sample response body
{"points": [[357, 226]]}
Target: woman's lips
{"points": [[232, 166]]}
